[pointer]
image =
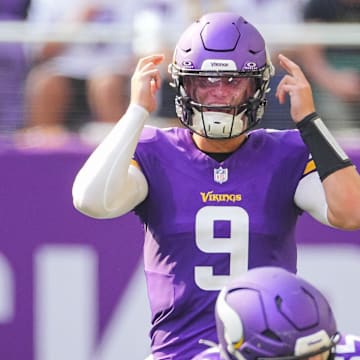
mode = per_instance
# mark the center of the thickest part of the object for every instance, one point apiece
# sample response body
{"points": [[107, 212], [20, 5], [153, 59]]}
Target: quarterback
{"points": [[216, 197]]}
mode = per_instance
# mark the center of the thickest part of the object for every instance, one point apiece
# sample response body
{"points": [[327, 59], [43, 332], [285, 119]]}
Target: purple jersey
{"points": [[14, 9], [348, 348], [207, 222], [209, 354]]}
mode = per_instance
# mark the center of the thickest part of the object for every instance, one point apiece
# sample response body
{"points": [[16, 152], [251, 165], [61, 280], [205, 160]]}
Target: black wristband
{"points": [[326, 152]]}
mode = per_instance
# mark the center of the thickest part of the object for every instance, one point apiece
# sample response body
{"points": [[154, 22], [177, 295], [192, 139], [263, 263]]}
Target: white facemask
{"points": [[217, 124]]}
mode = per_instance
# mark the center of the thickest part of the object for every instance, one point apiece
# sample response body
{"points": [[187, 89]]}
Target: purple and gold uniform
{"points": [[348, 348], [210, 217], [207, 222]]}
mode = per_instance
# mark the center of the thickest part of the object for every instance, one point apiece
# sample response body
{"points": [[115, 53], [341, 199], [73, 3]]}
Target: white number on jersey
{"points": [[348, 348], [237, 245]]}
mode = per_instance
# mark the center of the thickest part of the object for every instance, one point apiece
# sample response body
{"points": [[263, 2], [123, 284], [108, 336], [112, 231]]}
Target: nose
{"points": [[219, 90]]}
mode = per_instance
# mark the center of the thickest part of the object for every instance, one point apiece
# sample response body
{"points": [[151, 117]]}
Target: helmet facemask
{"points": [[220, 120], [221, 47]]}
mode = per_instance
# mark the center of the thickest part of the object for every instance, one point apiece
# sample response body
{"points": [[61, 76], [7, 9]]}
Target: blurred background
{"points": [[72, 287]]}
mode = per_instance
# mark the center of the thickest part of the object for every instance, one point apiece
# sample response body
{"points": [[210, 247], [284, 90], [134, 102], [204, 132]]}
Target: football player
{"points": [[215, 197], [270, 313]]}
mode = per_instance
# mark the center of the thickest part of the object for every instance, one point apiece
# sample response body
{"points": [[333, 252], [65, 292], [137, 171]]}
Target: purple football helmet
{"points": [[221, 48], [274, 314]]}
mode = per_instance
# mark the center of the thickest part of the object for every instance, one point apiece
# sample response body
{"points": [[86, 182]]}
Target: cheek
{"points": [[240, 96], [244, 95], [200, 94]]}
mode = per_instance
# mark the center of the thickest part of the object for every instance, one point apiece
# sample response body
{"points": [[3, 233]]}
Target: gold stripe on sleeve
{"points": [[310, 166], [135, 163]]}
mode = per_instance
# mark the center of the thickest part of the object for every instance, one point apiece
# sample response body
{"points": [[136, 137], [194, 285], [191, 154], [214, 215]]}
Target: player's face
{"points": [[229, 91]]}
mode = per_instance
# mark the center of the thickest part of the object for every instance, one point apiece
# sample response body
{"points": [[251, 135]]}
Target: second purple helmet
{"points": [[216, 47], [272, 313]]}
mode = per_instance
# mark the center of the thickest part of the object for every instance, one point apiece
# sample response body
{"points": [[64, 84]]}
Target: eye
{"points": [[234, 82], [204, 82]]}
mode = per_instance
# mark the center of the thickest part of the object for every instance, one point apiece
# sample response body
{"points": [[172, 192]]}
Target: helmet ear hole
{"points": [[184, 110], [271, 335]]}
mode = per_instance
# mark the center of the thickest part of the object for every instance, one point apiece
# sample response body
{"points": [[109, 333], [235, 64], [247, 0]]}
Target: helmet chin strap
{"points": [[217, 125]]}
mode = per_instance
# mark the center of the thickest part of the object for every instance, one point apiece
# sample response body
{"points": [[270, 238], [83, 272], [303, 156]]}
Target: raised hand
{"points": [[146, 81], [295, 84]]}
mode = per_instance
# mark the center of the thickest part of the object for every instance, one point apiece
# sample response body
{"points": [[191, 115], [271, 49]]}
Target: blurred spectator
{"points": [[13, 70], [70, 84], [273, 12], [156, 25], [335, 71]]}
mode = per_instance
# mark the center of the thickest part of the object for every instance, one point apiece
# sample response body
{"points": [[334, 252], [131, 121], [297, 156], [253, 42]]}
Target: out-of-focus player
{"points": [[216, 198], [270, 313]]}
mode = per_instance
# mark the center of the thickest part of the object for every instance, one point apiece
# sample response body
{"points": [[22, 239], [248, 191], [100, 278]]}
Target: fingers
{"points": [[284, 87], [146, 81], [290, 67], [147, 67], [151, 59], [155, 82], [295, 85]]}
